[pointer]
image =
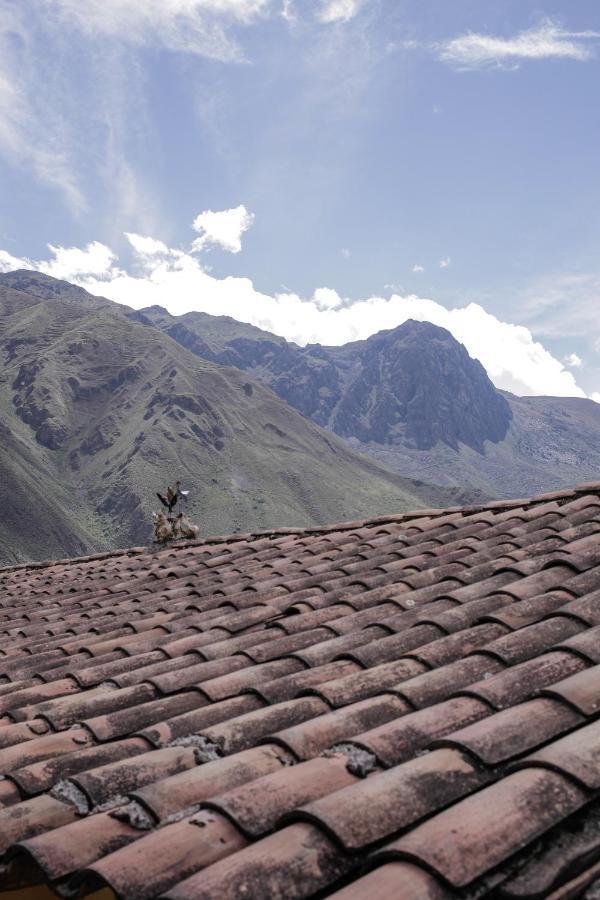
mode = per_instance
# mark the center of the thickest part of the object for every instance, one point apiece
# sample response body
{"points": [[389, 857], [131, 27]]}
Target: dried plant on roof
{"points": [[172, 525]]}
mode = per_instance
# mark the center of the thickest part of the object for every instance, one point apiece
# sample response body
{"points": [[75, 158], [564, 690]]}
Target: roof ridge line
{"points": [[564, 494]]}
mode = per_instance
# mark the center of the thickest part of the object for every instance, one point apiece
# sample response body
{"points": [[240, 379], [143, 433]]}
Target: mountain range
{"points": [[99, 410], [101, 405], [413, 399]]}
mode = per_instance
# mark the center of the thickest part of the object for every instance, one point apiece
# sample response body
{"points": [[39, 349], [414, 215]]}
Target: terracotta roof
{"points": [[407, 707]]}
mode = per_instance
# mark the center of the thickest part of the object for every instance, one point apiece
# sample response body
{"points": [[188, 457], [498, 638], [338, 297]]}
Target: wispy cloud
{"points": [[191, 26], [417, 268], [445, 262], [288, 12], [338, 10], [561, 305], [177, 279], [70, 130], [45, 154], [547, 40]]}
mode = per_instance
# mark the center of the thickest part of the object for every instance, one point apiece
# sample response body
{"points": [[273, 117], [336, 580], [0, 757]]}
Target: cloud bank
{"points": [[177, 279], [546, 41]]}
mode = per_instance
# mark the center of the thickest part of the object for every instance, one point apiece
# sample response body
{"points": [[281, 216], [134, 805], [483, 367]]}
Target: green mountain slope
{"points": [[98, 410]]}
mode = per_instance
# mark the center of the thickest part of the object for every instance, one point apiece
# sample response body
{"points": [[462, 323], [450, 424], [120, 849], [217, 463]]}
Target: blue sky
{"points": [[379, 159]]}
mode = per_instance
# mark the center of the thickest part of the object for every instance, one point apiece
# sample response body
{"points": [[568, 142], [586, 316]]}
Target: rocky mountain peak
{"points": [[418, 384]]}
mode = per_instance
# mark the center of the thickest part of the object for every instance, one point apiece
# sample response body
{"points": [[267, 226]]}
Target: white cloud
{"points": [[545, 41], [224, 228], [345, 252], [177, 280], [595, 396], [326, 298], [70, 263], [8, 262], [418, 268], [147, 246], [338, 10], [445, 262], [573, 361]]}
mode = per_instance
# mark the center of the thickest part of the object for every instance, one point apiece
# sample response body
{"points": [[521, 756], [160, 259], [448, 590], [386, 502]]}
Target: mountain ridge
{"points": [[313, 379], [522, 445]]}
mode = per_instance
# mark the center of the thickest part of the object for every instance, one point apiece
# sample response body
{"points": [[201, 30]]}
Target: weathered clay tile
{"points": [[292, 863], [247, 676], [116, 779], [385, 881], [179, 679], [286, 687], [325, 651], [561, 865], [162, 733], [522, 681], [387, 649], [63, 713], [512, 732], [489, 826], [584, 643], [247, 729], [457, 617], [577, 755], [586, 609], [44, 747], [152, 864], [258, 805], [454, 646], [439, 684], [36, 777], [114, 725], [528, 612], [402, 738], [395, 798], [367, 682], [31, 817], [193, 786], [531, 640], [269, 646], [68, 848]]}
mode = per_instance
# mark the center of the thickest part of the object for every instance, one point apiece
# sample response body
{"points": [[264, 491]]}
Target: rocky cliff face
{"points": [[417, 384]]}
